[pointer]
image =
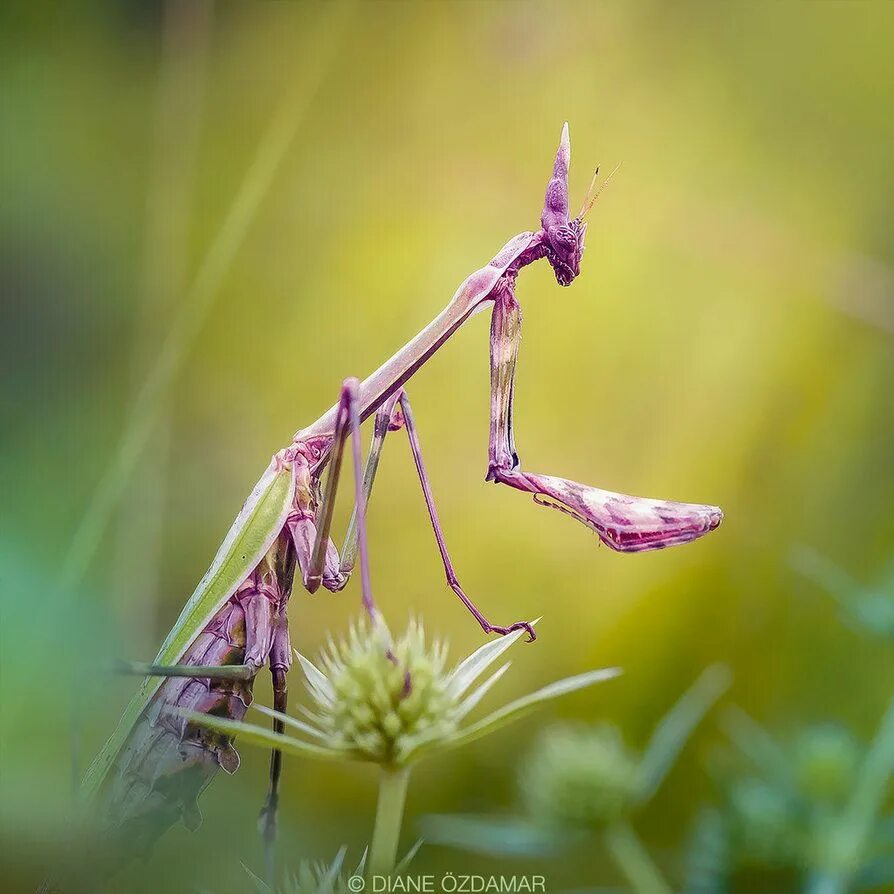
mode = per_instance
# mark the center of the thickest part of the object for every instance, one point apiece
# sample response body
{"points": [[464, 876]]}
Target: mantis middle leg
{"points": [[396, 413]]}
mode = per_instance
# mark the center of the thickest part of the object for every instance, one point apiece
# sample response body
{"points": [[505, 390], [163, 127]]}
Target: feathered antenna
{"points": [[593, 192]]}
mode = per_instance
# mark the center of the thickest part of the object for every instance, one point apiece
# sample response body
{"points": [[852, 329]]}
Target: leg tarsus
{"points": [[323, 522], [518, 625], [486, 625]]}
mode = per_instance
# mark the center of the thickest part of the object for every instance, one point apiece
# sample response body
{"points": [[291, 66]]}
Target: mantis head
{"points": [[565, 236]]}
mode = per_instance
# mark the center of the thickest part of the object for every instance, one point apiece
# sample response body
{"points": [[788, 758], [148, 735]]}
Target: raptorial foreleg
{"points": [[625, 523]]}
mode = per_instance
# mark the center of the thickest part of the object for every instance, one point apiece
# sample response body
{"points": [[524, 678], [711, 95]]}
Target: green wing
{"points": [[251, 535]]}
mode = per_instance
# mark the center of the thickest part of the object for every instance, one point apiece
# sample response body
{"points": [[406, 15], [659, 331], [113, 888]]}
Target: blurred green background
{"points": [[729, 341]]}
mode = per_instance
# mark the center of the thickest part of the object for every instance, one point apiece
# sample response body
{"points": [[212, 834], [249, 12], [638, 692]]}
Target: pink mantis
{"points": [[152, 769]]}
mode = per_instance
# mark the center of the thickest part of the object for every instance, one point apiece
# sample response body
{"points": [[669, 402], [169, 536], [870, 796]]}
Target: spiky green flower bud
{"points": [[764, 824], [393, 702], [388, 698], [580, 777], [826, 760]]}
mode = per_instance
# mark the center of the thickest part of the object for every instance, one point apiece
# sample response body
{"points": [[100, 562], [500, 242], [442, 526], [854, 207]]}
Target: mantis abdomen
{"points": [[167, 761]]}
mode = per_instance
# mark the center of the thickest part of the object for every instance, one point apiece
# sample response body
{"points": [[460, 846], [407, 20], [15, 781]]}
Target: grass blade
{"points": [[675, 728], [757, 745], [197, 303], [871, 787]]}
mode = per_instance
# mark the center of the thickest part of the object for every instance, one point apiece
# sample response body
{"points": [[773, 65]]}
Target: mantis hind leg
{"points": [[280, 662]]}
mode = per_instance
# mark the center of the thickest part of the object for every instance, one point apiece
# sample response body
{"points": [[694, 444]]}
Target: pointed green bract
{"points": [[471, 702], [253, 533], [524, 705], [316, 679], [264, 737], [408, 857], [365, 711], [471, 667], [288, 720]]}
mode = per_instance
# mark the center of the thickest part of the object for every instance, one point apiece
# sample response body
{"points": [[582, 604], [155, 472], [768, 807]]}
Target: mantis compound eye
{"points": [[564, 238]]}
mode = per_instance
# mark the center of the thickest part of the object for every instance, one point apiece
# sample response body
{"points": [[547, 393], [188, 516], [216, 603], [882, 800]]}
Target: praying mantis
{"points": [[150, 772]]}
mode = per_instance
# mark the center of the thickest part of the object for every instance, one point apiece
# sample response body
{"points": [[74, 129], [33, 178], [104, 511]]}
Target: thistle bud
{"points": [[826, 761], [386, 698], [580, 777], [765, 827]]}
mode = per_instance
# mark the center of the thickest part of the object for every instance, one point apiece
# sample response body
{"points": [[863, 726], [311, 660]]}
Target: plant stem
{"points": [[826, 883], [389, 818], [634, 861]]}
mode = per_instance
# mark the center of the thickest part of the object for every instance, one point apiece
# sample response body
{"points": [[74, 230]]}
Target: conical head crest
{"points": [[555, 205], [564, 240], [563, 246]]}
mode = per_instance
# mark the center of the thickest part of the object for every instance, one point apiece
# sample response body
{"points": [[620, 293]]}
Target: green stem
{"points": [[389, 818], [826, 883], [634, 861]]}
